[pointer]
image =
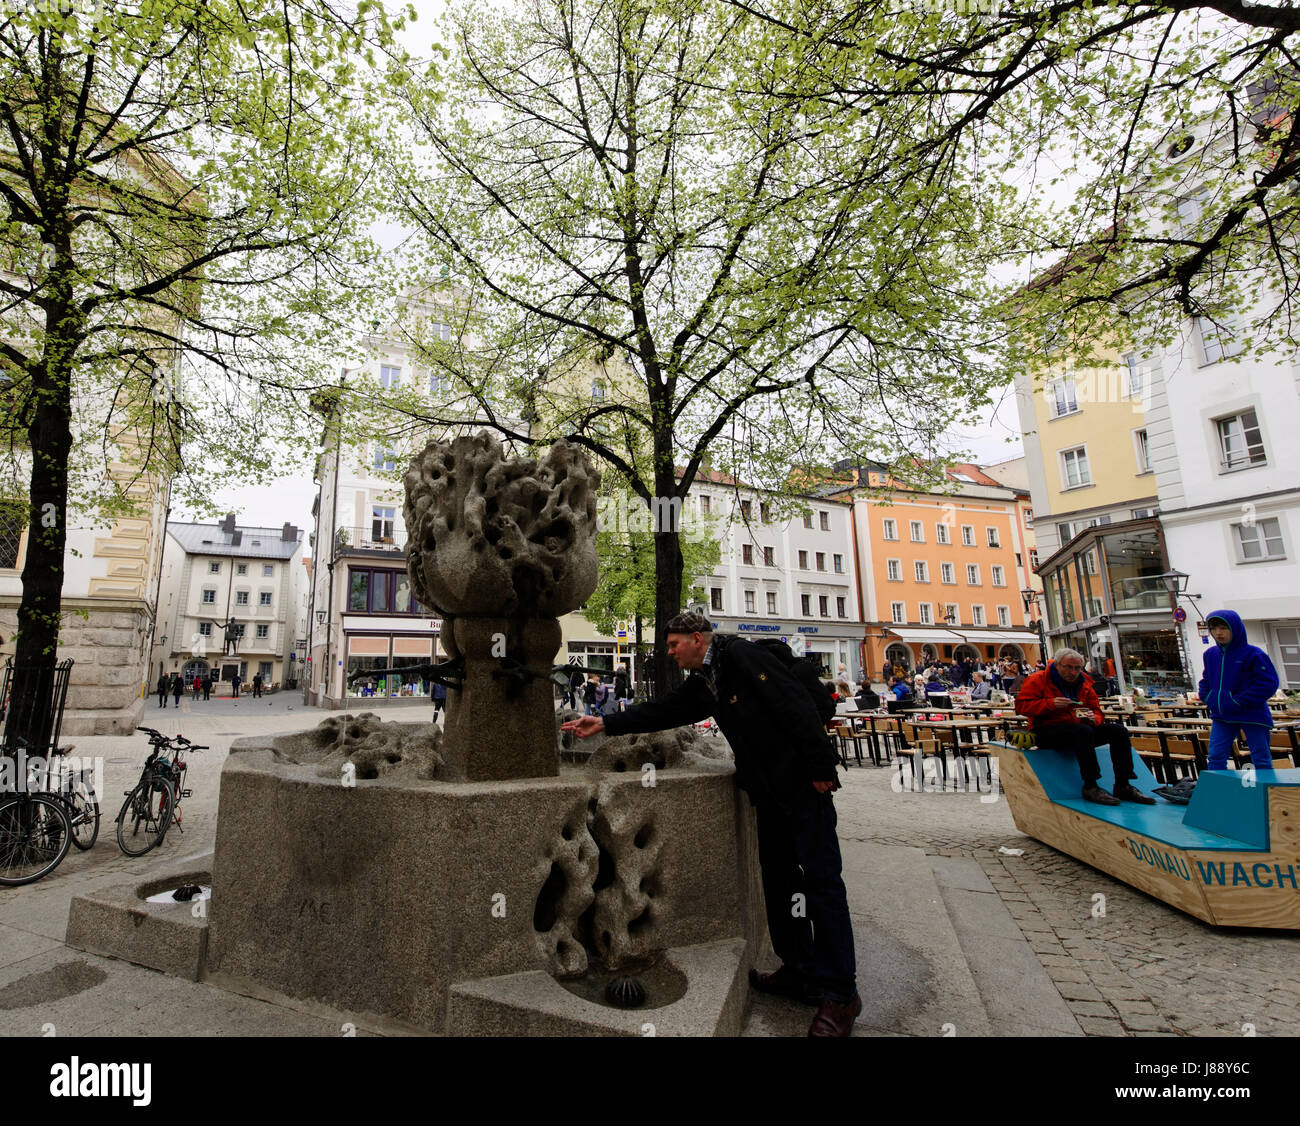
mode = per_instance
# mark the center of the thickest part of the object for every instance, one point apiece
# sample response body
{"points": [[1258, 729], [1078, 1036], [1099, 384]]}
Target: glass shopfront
{"points": [[1133, 562], [1151, 657]]}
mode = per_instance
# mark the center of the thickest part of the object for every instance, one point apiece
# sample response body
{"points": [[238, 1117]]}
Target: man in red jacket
{"points": [[1065, 714]]}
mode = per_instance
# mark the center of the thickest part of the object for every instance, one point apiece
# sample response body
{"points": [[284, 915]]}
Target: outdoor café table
{"points": [[1163, 733], [957, 727], [871, 718]]}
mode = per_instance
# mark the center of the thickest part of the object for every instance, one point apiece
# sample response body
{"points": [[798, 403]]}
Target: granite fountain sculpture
{"points": [[464, 879]]}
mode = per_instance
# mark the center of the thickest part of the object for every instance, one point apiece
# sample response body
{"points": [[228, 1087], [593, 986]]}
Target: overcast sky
{"points": [[993, 436]]}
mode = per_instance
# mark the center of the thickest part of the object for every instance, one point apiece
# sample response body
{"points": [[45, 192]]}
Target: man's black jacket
{"points": [[780, 744]]}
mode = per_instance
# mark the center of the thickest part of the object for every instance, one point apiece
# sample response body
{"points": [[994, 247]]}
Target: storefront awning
{"points": [[922, 634], [987, 636]]}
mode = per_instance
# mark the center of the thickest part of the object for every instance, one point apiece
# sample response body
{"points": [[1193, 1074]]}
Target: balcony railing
{"points": [[377, 536]]}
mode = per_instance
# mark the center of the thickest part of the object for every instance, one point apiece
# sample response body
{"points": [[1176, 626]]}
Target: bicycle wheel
{"points": [[34, 838], [145, 815], [84, 816]]}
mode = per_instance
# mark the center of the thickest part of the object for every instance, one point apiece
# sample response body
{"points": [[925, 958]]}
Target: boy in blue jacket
{"points": [[1238, 681]]}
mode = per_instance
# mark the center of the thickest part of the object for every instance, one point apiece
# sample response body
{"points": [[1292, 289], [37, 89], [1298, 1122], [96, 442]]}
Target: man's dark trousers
{"points": [[800, 853], [1082, 739]]}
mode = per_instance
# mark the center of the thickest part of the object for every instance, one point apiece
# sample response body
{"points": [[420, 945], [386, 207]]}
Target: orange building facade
{"points": [[942, 573]]}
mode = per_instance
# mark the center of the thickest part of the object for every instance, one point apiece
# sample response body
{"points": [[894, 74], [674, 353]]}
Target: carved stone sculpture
{"points": [[501, 547]]}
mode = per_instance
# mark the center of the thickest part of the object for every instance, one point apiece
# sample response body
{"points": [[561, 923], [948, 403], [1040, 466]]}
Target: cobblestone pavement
{"points": [[1125, 963]]}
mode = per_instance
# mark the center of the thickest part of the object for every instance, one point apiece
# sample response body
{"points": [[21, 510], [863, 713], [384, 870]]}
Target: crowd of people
{"points": [[172, 684]]}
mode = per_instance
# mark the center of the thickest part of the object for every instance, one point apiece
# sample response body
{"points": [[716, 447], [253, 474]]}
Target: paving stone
{"points": [[1078, 991], [1151, 1023], [1096, 1026], [1090, 1009]]}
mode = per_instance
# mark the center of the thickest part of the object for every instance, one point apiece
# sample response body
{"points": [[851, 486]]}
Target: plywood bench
{"points": [[1231, 857]]}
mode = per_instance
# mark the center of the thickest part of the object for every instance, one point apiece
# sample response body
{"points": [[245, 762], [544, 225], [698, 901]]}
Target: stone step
{"points": [[1018, 996]]}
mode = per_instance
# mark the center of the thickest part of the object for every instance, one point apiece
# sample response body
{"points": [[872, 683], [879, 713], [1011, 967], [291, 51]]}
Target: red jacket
{"points": [[1036, 696]]}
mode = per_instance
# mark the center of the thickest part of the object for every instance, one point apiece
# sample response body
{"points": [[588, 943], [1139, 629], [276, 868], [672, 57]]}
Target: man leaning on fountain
{"points": [[786, 762]]}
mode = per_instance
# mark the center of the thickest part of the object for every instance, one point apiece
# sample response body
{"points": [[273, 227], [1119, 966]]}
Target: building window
{"points": [[769, 556], [945, 573], [214, 568], [1033, 558], [745, 510], [264, 598], [209, 596], [205, 629], [824, 605], [950, 614], [838, 561], [803, 561], [926, 616], [263, 632], [807, 521], [597, 390], [825, 520], [1029, 517], [241, 568], [380, 592], [385, 458], [1143, 451], [705, 503], [805, 602], [749, 602], [715, 597], [999, 578], [389, 376], [1004, 615], [1133, 376], [771, 602], [898, 612], [941, 533], [765, 512], [383, 521], [268, 569], [841, 608], [1074, 468], [747, 554], [1061, 397], [895, 570], [977, 615], [1259, 542], [972, 574], [994, 541], [821, 561], [241, 598], [1240, 442], [1218, 342], [917, 531], [922, 571], [968, 535], [1145, 513], [890, 529], [439, 382]]}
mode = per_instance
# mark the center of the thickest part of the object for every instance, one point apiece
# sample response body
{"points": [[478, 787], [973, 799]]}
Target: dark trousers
{"points": [[162, 698], [807, 906], [1082, 740], [257, 689]]}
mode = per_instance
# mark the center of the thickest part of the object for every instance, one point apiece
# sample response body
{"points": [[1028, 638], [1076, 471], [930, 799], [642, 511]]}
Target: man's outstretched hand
{"points": [[584, 725], [824, 787]]}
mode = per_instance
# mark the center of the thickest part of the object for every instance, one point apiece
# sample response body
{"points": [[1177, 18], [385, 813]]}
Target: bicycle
{"points": [[155, 800], [76, 790], [35, 835]]}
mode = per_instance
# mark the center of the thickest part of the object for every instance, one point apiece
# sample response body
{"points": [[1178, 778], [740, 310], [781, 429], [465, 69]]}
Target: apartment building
{"points": [[937, 570], [213, 573]]}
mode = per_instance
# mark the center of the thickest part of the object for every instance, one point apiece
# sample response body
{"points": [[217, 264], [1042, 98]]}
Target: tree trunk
{"points": [[30, 715]]}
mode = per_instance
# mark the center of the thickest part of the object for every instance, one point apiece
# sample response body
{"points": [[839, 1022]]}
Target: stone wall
{"points": [[107, 646]]}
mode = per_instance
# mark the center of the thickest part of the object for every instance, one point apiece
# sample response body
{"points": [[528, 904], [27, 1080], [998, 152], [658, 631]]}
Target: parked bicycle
{"points": [[153, 806], [35, 834], [75, 788]]}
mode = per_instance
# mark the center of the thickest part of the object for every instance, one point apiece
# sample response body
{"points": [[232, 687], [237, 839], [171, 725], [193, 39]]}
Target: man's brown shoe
{"points": [[786, 983], [835, 1019], [1127, 792]]}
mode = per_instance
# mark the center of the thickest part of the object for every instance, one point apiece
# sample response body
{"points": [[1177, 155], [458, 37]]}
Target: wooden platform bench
{"points": [[1231, 857]]}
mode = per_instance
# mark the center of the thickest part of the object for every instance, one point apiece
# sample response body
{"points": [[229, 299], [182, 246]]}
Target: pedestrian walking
{"points": [[787, 764], [235, 681], [439, 696], [207, 686], [178, 688], [164, 686], [257, 685], [197, 685], [1237, 681]]}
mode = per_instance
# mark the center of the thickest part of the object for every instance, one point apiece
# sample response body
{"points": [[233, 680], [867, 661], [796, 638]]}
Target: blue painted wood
{"points": [[1228, 815]]}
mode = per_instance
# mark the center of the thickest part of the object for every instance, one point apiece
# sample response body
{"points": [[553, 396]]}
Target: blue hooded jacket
{"points": [[1239, 677]]}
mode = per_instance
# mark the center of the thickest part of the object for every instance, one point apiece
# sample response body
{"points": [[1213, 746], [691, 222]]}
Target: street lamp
{"points": [[1030, 597], [320, 617]]}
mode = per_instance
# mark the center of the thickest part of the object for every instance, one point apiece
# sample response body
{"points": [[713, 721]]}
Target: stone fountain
{"points": [[465, 880]]}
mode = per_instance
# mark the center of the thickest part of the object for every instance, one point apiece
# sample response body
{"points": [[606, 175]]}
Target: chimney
{"points": [[289, 534], [228, 524]]}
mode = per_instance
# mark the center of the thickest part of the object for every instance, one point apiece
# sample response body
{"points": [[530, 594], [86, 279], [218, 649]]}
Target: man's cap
{"points": [[689, 623]]}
